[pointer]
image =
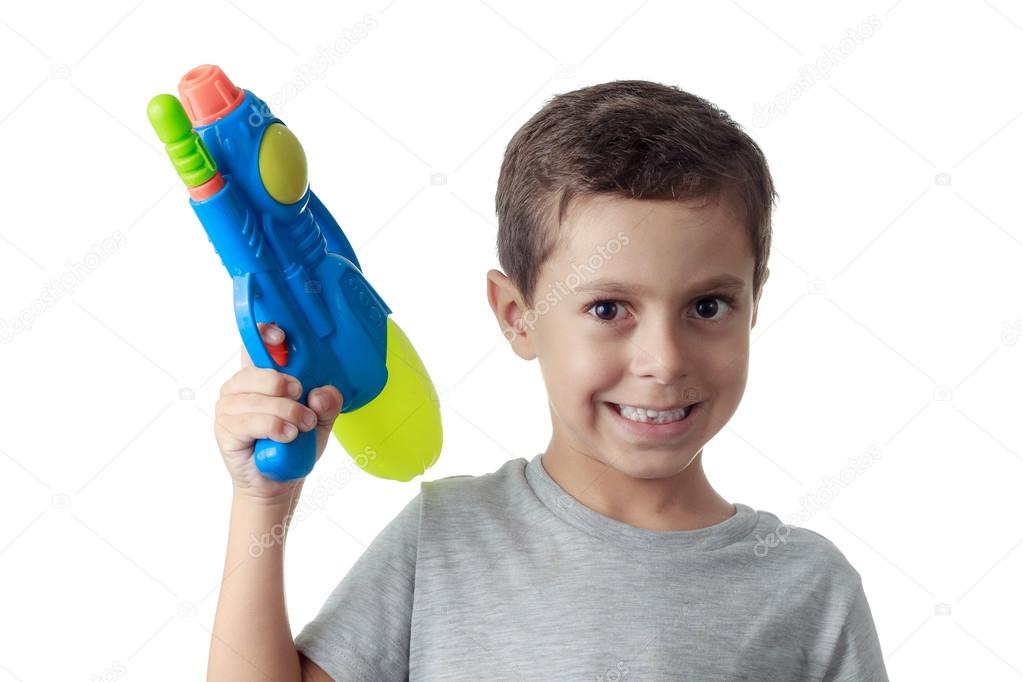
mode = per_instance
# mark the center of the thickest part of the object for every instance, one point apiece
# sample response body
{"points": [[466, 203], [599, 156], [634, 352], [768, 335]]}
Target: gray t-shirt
{"points": [[505, 576]]}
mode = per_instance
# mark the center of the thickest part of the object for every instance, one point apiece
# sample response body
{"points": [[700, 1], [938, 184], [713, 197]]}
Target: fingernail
{"points": [[290, 430], [309, 419], [294, 389], [274, 335]]}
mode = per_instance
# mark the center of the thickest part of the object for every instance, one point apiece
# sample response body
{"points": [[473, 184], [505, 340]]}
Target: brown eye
{"points": [[605, 310], [709, 306]]}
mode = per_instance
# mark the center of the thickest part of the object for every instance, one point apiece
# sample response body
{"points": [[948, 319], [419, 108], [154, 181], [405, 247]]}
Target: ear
{"points": [[756, 303], [510, 311]]}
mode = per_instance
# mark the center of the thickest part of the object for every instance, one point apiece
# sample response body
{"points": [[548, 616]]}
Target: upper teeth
{"points": [[642, 414]]}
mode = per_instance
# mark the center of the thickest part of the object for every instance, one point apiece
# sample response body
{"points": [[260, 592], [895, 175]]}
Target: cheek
{"points": [[594, 365], [728, 364], [581, 364]]}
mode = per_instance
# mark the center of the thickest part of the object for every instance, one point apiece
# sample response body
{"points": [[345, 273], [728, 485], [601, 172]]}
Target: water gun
{"points": [[292, 265]]}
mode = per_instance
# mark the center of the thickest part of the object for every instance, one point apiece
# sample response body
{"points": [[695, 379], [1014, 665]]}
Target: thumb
{"points": [[326, 402]]}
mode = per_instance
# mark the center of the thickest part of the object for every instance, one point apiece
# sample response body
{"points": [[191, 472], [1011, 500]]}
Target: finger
{"points": [[271, 334], [252, 426], [282, 408], [326, 402], [262, 380]]}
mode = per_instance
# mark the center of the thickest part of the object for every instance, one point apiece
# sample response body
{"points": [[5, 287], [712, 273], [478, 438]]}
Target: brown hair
{"points": [[633, 138]]}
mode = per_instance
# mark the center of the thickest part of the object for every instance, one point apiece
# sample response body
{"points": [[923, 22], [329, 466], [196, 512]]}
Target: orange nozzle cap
{"points": [[208, 94]]}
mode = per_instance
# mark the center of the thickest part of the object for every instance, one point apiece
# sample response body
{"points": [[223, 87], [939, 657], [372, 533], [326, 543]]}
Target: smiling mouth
{"points": [[647, 416]]}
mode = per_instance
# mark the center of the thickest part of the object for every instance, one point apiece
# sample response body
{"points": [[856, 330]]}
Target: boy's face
{"points": [[669, 341]]}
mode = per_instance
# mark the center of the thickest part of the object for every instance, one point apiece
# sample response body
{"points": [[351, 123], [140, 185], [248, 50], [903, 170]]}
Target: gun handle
{"points": [[286, 461], [276, 461]]}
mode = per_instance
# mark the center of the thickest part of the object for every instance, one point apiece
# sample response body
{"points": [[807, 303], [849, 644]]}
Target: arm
{"points": [[251, 634]]}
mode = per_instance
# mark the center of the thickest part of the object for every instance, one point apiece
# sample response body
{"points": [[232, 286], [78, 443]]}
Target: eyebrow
{"points": [[604, 284]]}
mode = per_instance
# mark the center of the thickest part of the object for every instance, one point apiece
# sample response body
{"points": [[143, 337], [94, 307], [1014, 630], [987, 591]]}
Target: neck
{"points": [[684, 501]]}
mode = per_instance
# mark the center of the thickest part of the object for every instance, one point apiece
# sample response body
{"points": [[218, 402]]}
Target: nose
{"points": [[660, 352]]}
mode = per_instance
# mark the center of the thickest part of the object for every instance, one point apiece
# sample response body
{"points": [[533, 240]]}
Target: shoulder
{"points": [[460, 504], [802, 557], [471, 490]]}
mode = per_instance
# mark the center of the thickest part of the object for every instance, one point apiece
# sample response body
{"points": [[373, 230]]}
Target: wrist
{"points": [[266, 505], [259, 525]]}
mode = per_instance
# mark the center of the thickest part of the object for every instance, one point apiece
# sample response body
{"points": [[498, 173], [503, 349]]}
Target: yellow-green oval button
{"points": [[282, 164]]}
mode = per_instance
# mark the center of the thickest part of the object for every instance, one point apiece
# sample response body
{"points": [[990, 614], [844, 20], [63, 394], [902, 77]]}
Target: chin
{"points": [[651, 464]]}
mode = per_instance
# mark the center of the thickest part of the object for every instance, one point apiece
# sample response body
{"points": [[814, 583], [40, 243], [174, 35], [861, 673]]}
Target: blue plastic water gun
{"points": [[292, 265]]}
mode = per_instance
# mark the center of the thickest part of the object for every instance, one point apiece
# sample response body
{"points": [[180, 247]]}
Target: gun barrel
{"points": [[185, 148]]}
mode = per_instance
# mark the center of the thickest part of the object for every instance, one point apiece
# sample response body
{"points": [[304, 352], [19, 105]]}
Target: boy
{"points": [[634, 227]]}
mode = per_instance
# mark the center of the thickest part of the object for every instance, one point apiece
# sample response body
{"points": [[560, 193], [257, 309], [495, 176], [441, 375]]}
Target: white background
{"points": [[892, 320]]}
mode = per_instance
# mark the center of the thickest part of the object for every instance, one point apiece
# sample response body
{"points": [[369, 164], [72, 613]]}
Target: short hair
{"points": [[632, 138]]}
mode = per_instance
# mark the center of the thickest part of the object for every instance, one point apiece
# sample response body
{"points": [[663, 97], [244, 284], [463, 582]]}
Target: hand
{"points": [[256, 403]]}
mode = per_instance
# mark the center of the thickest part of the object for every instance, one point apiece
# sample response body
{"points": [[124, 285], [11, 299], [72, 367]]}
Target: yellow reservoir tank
{"points": [[397, 435]]}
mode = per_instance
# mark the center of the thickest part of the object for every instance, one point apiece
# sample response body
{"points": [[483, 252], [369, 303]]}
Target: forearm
{"points": [[251, 634]]}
